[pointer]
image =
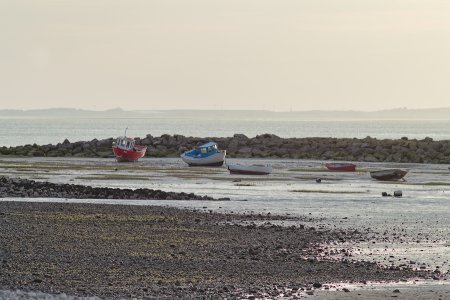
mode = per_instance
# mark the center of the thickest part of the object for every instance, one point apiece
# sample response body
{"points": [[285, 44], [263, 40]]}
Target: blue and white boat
{"points": [[205, 155]]}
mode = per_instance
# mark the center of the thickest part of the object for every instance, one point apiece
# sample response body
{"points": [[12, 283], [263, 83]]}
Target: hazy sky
{"points": [[228, 54]]}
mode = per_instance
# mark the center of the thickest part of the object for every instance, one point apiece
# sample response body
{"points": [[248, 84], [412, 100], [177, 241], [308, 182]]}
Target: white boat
{"points": [[249, 170], [205, 155]]}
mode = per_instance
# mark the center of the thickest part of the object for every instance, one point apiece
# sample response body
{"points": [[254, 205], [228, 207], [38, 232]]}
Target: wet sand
{"points": [[421, 290], [369, 230], [117, 251]]}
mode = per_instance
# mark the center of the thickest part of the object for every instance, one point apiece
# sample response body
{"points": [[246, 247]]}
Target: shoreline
{"points": [[128, 251], [296, 200]]}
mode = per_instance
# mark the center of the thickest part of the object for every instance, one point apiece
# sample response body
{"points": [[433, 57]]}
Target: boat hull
{"points": [[341, 167], [249, 170], [388, 175], [215, 160], [124, 155]]}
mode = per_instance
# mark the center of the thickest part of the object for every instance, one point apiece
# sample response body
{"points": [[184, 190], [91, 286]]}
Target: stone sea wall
{"points": [[262, 146]]}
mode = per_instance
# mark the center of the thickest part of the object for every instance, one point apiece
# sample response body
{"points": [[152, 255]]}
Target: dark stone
{"points": [[265, 145], [31, 188]]}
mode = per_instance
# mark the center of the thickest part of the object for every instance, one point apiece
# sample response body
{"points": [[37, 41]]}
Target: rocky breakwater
{"points": [[24, 188], [263, 146]]}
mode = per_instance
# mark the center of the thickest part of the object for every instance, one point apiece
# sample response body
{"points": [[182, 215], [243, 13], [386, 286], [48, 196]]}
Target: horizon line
{"points": [[119, 109]]}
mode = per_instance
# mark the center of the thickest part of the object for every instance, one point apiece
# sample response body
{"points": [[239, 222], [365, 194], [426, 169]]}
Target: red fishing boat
{"points": [[341, 167], [125, 149]]}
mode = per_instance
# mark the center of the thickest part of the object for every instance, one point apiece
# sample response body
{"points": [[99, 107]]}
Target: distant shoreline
{"points": [[442, 113]]}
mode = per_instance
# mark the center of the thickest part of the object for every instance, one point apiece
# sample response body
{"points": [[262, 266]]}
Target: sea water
{"points": [[42, 131]]}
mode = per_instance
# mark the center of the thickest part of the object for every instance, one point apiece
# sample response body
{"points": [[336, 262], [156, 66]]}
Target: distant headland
{"points": [[442, 113]]}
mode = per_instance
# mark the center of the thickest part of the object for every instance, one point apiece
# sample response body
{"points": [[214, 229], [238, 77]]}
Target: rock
{"points": [[370, 158], [31, 188], [240, 136], [182, 149], [246, 151], [398, 193], [253, 251], [266, 145], [257, 152], [106, 143]]}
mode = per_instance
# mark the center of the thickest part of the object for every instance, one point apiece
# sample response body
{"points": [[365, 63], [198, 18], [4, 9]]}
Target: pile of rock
{"points": [[262, 146], [24, 188]]}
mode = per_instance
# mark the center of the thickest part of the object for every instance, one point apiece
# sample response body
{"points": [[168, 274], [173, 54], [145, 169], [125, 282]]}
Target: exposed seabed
{"points": [[408, 231]]}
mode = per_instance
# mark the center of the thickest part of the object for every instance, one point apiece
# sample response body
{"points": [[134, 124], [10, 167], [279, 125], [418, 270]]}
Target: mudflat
{"points": [[114, 251]]}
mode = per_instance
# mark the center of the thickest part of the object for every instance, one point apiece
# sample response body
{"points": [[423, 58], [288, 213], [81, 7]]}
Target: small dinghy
{"points": [[341, 167], [249, 170], [389, 174], [205, 155]]}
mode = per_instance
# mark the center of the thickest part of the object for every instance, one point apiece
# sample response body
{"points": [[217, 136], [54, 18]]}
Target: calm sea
{"points": [[21, 131]]}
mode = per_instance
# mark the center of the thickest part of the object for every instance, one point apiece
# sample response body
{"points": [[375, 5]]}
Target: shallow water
{"points": [[423, 289], [416, 226]]}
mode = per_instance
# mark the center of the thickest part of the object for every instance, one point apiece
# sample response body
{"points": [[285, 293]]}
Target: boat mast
{"points": [[125, 132]]}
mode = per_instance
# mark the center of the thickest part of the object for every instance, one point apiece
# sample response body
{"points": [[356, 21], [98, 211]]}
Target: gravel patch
{"points": [[25, 188], [121, 251]]}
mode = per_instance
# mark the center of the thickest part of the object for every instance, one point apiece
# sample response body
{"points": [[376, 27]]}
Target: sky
{"points": [[225, 54]]}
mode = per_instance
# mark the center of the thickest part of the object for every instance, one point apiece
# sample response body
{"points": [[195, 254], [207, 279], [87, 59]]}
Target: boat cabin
{"points": [[124, 142], [205, 150], [208, 147]]}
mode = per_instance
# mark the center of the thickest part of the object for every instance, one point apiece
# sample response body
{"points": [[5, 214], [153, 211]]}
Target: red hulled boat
{"points": [[125, 149], [340, 166]]}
